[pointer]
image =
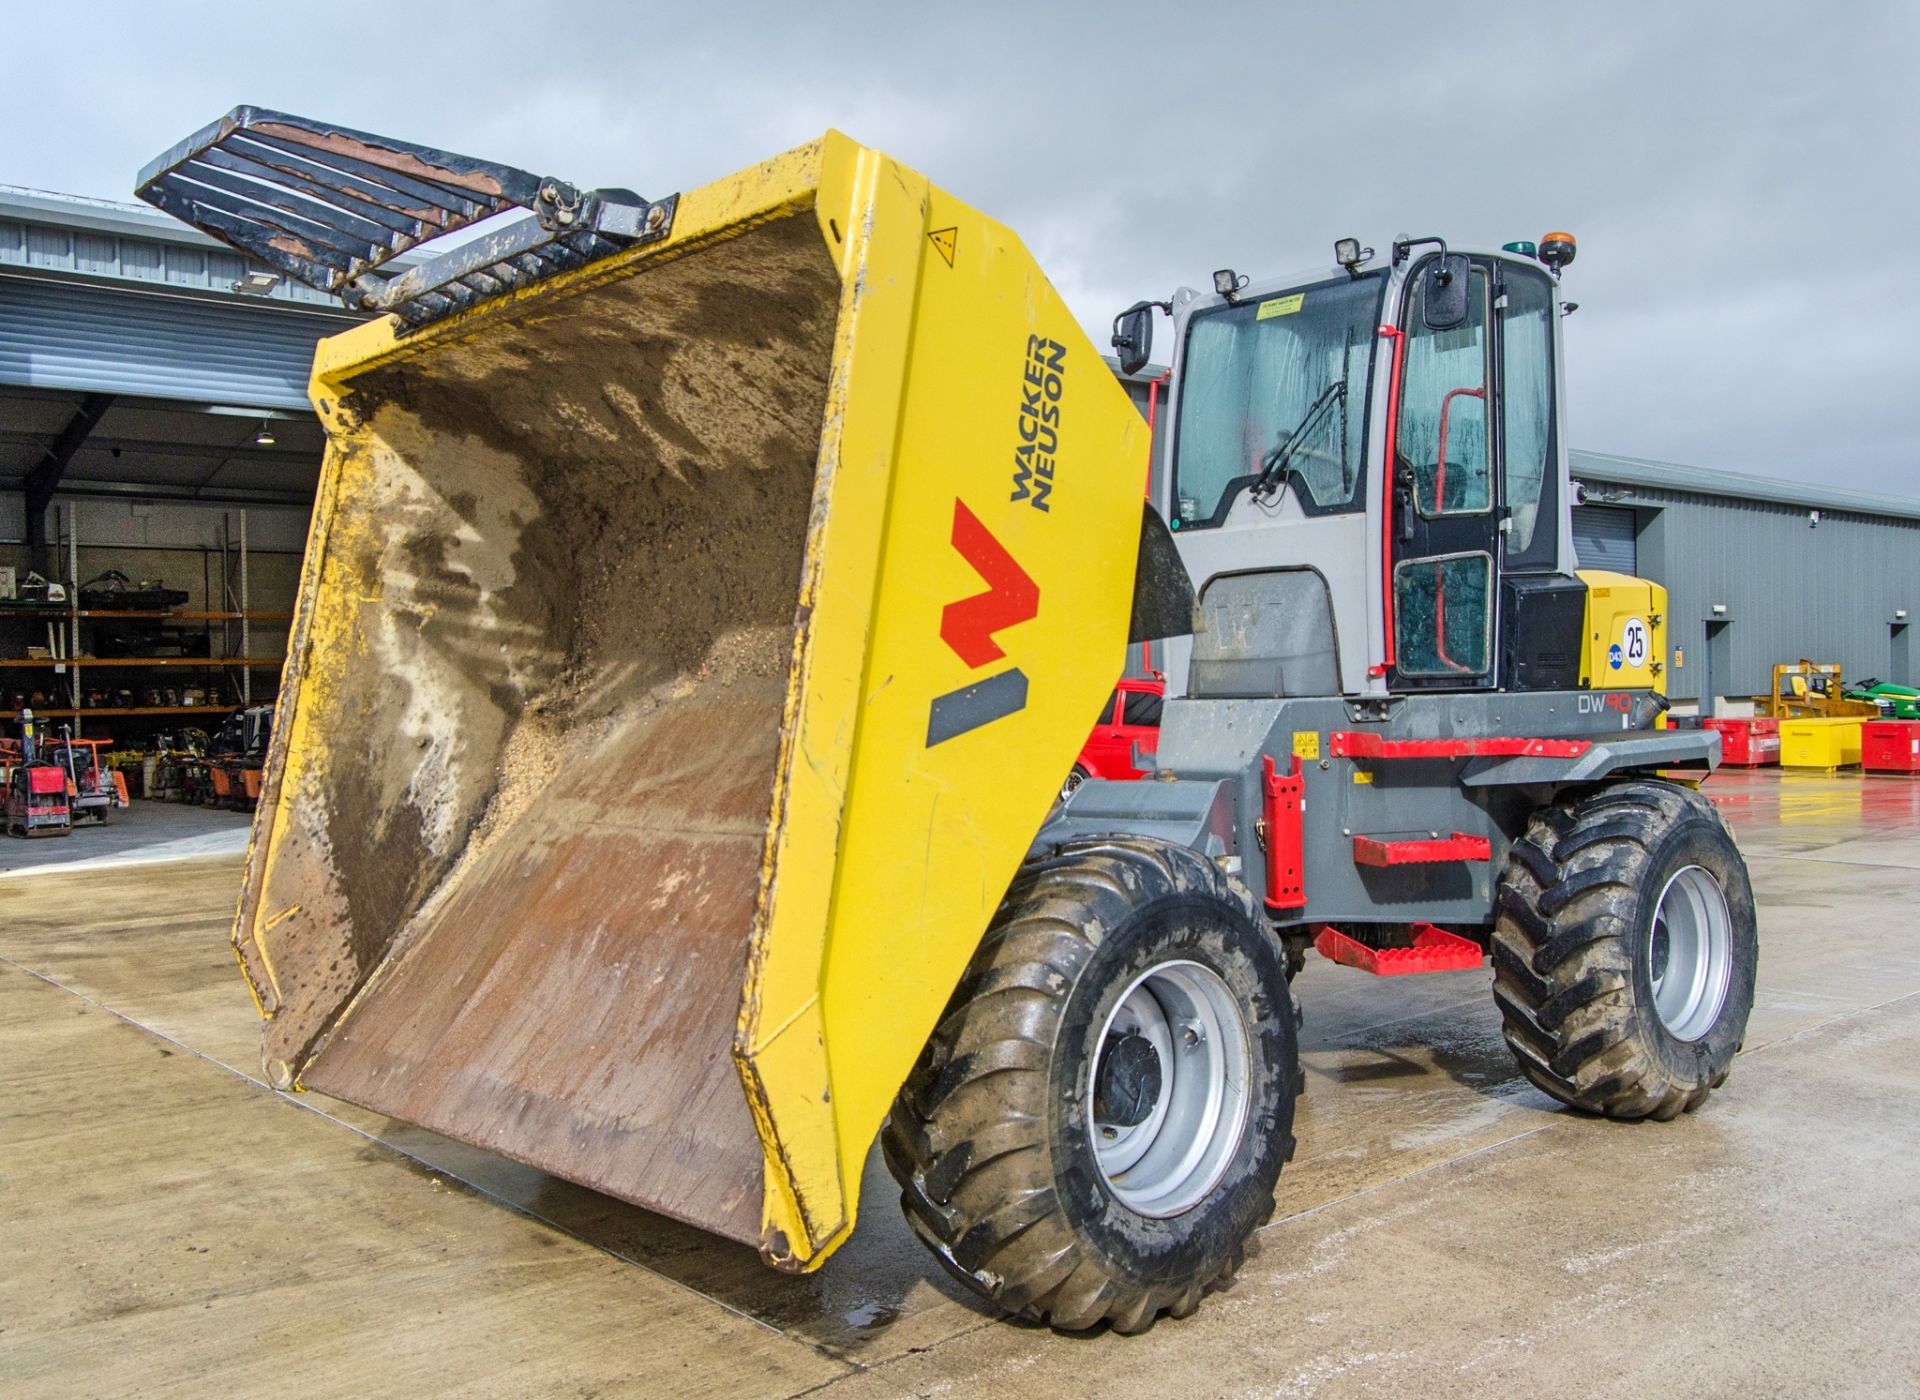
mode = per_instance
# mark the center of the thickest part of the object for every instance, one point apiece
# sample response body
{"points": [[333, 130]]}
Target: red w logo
{"points": [[968, 627], [1011, 597]]}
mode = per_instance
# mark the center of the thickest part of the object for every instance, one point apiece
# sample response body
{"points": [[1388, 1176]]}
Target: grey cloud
{"points": [[1740, 175]]}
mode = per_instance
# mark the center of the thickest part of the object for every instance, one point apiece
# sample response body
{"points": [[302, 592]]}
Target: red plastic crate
{"points": [[1747, 743], [1890, 746]]}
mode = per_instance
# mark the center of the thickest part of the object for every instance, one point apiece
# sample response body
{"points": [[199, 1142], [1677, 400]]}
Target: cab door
{"points": [[1444, 528]]}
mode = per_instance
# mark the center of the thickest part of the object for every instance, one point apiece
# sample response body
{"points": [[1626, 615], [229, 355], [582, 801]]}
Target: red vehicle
{"points": [[1132, 716]]}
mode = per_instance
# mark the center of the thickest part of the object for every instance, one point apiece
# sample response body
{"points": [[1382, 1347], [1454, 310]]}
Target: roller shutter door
{"points": [[1603, 538], [56, 335]]}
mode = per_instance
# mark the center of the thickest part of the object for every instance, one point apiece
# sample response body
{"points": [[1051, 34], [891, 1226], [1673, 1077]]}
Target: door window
{"points": [[1444, 434], [1141, 707], [1526, 399], [1443, 615]]}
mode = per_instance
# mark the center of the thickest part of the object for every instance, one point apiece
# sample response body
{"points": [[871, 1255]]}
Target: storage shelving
{"points": [[65, 670]]}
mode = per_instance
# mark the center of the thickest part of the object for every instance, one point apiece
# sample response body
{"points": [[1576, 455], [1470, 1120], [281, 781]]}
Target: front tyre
{"points": [[1625, 951], [1098, 1121]]}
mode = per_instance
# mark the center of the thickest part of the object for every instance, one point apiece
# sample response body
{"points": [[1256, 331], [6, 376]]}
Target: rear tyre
{"points": [[1625, 950], [1096, 1125]]}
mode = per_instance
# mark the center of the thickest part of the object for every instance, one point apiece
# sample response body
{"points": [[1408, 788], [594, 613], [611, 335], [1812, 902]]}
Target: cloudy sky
{"points": [[1742, 177]]}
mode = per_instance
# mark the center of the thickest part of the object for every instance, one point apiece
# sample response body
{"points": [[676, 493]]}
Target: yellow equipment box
{"points": [[645, 607], [1820, 743]]}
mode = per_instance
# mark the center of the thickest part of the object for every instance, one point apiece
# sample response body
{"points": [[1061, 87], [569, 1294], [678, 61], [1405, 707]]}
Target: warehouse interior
{"points": [[156, 448]]}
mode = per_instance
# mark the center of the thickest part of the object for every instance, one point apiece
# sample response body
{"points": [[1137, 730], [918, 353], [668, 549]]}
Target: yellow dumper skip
{"points": [[688, 648]]}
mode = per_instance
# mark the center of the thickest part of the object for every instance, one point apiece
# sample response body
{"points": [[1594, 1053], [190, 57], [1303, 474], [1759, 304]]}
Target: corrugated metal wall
{"points": [[69, 335], [1827, 592]]}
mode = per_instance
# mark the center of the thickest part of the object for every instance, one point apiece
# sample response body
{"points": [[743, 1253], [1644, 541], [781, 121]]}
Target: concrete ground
{"points": [[173, 1227]]}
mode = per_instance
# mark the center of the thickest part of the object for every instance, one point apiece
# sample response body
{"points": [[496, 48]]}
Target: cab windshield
{"points": [[1277, 386]]}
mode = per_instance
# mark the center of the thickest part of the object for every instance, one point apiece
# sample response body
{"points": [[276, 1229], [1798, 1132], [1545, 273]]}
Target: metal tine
{"points": [[460, 294], [326, 215], [350, 251], [463, 205], [164, 193], [428, 213], [403, 225], [597, 246]]}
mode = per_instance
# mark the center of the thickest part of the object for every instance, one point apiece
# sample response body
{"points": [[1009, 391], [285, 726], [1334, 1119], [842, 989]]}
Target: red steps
{"points": [[1371, 850], [1433, 950]]}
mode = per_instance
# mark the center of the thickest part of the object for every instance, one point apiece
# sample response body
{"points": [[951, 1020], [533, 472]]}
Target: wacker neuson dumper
{"points": [[707, 595]]}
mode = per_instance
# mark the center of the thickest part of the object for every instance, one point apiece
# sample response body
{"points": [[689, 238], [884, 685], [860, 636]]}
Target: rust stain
{"points": [[406, 164]]}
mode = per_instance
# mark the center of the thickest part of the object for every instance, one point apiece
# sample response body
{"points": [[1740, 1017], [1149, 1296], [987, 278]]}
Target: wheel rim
{"points": [[1169, 1159], [1690, 953], [1072, 784]]}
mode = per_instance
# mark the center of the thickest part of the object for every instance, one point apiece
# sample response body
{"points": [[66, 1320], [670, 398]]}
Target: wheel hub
{"points": [[1169, 1088], [1690, 953]]}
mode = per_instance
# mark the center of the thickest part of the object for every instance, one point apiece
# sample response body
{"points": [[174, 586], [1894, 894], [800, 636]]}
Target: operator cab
{"points": [[1311, 579]]}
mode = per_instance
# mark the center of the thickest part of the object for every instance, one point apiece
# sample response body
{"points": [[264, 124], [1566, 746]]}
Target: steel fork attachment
{"points": [[329, 207]]}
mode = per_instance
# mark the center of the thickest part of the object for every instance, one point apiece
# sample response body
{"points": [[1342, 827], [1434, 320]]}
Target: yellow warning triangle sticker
{"points": [[943, 240]]}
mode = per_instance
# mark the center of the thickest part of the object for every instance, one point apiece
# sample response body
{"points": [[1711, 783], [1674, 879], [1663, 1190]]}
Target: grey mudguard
{"points": [[1646, 748], [1194, 812]]}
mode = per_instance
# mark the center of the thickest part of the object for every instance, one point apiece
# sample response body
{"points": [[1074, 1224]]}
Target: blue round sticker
{"points": [[1614, 656]]}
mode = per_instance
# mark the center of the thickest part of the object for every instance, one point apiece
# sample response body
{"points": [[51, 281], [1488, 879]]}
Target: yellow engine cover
{"points": [[1625, 633]]}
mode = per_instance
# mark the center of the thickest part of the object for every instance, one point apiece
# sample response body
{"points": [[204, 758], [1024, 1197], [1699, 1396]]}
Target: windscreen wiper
{"points": [[1273, 467]]}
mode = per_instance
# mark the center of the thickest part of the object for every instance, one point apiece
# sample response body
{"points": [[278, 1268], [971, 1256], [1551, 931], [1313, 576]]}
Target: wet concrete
{"points": [[174, 1227]]}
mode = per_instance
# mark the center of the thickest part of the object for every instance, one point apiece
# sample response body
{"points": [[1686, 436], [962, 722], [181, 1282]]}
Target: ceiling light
{"points": [[265, 437]]}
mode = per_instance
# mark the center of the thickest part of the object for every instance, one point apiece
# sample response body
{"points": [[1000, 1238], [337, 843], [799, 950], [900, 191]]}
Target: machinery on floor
{"points": [[707, 595], [237, 755], [1812, 690], [1892, 700], [93, 788], [36, 801]]}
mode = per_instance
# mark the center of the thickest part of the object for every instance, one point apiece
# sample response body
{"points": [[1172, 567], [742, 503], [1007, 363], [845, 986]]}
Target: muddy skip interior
{"points": [[551, 642]]}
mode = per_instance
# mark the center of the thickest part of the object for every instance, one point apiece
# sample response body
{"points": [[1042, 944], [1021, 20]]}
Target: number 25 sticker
{"points": [[1633, 644]]}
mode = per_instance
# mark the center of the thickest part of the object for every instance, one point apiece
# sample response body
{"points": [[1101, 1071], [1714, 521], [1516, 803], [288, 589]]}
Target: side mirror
{"points": [[1443, 304], [1133, 336]]}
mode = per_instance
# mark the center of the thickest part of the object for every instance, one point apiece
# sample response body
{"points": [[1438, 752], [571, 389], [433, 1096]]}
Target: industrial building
{"points": [[1758, 571]]}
